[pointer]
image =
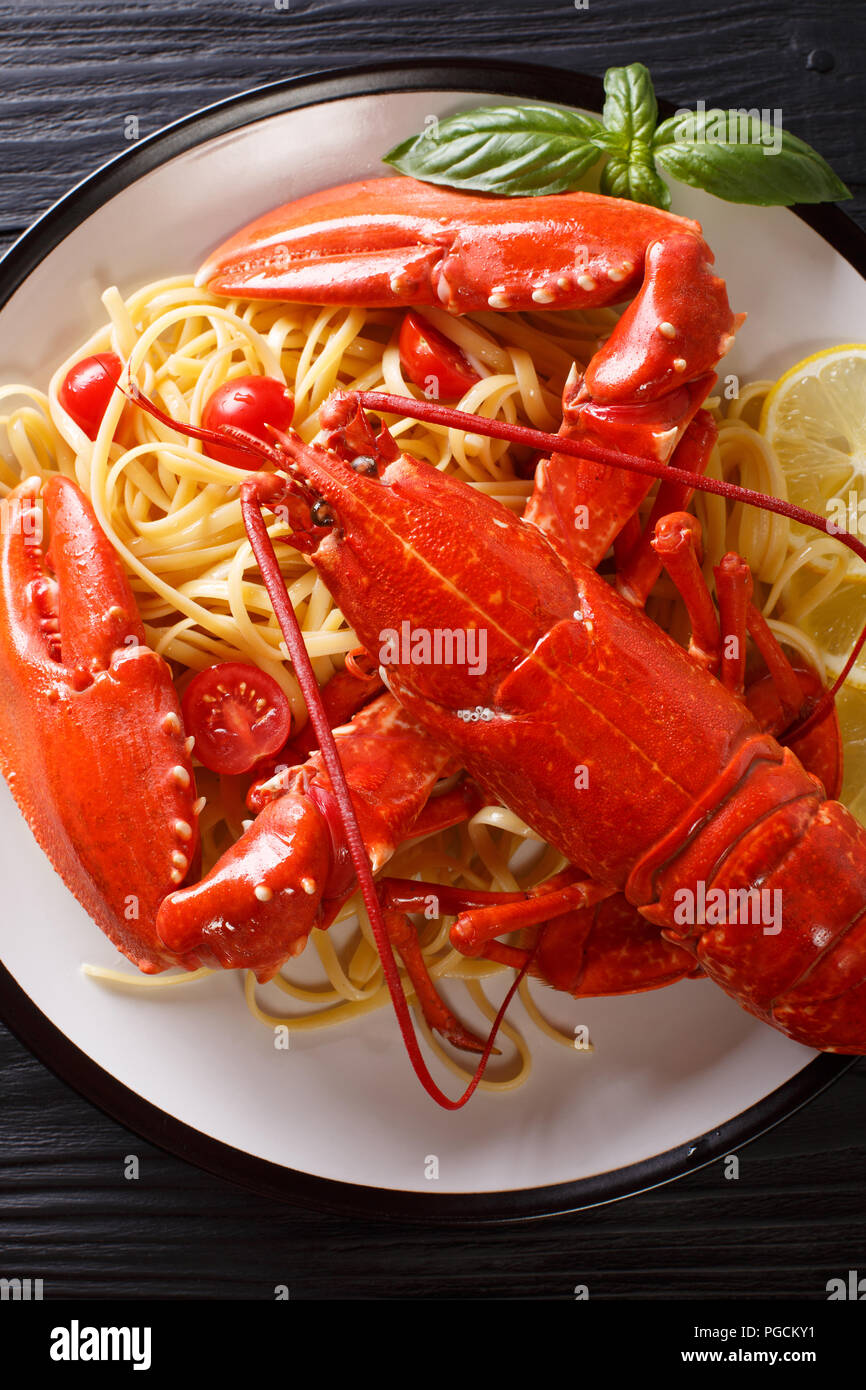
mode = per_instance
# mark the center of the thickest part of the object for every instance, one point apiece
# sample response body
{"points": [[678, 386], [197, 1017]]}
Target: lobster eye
{"points": [[365, 464], [321, 514]]}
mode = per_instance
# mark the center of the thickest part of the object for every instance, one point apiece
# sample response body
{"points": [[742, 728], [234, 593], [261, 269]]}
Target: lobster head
{"points": [[443, 585]]}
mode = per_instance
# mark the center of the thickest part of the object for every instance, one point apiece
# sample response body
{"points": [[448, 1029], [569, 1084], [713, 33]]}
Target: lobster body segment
{"points": [[578, 739]]}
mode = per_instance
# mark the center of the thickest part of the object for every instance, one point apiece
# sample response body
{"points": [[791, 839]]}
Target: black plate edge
{"points": [[116, 1100], [293, 93], [36, 1032]]}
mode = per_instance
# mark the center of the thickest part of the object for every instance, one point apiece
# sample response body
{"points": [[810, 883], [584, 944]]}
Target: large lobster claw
{"points": [[396, 241], [393, 241], [90, 720]]}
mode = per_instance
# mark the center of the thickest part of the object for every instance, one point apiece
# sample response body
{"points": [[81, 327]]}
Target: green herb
{"points": [[630, 116], [532, 150], [503, 149], [736, 157]]}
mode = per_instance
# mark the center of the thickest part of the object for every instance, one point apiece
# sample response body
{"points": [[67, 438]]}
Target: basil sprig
{"points": [[630, 116], [532, 150]]}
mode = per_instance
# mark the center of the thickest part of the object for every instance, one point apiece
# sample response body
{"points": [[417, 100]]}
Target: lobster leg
{"points": [[404, 939], [607, 950], [734, 593], [639, 567], [819, 749], [475, 928], [678, 543], [719, 644], [599, 945]]}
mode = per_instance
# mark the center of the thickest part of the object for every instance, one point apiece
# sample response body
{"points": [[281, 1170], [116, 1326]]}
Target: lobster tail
{"points": [[765, 881], [825, 892]]}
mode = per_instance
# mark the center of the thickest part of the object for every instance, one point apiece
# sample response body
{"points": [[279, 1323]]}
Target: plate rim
{"points": [[43, 1038]]}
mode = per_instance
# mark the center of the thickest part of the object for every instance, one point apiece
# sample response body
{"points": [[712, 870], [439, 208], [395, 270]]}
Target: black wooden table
{"points": [[72, 75]]}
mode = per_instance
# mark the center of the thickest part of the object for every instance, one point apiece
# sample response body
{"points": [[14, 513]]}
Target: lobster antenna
{"points": [[231, 434], [286, 617], [263, 549], [387, 404]]}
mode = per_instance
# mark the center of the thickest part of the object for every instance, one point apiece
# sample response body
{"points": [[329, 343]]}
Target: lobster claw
{"points": [[397, 241], [675, 330], [89, 720], [257, 906]]}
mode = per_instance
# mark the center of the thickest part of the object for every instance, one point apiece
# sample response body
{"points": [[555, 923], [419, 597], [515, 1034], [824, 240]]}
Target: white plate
{"points": [[678, 1076]]}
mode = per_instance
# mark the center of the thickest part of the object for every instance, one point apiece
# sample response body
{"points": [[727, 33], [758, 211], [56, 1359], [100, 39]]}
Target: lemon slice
{"points": [[851, 705], [815, 419], [833, 624]]}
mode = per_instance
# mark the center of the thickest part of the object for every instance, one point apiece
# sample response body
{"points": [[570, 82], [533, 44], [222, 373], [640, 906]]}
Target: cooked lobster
{"points": [[653, 769]]}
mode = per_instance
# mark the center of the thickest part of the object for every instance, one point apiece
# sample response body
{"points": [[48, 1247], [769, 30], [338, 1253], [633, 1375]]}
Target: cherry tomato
{"points": [[87, 388], [249, 403], [237, 715], [426, 353]]}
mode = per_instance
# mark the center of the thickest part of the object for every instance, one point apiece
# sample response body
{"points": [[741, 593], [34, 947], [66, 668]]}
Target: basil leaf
{"points": [[630, 115], [609, 141], [637, 180], [630, 109], [512, 150], [738, 157]]}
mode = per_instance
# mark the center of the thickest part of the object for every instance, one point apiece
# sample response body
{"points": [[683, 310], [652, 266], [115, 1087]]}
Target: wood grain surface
{"points": [[796, 1216]]}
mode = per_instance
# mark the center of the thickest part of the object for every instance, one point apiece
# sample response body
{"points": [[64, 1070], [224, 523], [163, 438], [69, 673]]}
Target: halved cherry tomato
{"points": [[431, 360], [237, 714], [249, 403], [87, 389]]}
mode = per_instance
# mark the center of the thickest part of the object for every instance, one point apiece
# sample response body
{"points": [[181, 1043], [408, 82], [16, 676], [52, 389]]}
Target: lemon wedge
{"points": [[851, 706], [815, 419]]}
